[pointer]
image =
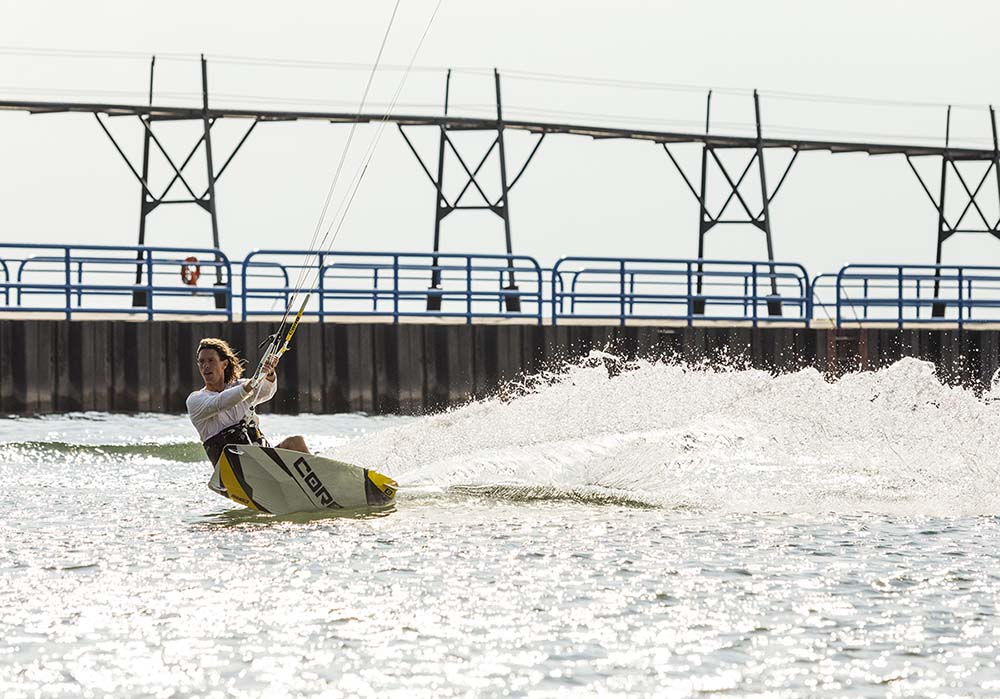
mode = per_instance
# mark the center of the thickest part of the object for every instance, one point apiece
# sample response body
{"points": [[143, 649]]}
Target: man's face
{"points": [[211, 366]]}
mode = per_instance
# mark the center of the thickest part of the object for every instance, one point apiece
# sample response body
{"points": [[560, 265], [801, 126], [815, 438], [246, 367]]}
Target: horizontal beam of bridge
{"points": [[160, 113]]}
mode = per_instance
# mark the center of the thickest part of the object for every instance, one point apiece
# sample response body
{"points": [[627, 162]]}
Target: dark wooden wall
{"points": [[122, 366]]}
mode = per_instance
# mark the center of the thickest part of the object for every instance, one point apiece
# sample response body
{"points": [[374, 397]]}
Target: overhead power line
{"points": [[510, 74]]}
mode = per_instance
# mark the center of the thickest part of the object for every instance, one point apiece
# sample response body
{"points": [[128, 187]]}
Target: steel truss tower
{"points": [[952, 165], [498, 205], [150, 200], [760, 219], [956, 168]]}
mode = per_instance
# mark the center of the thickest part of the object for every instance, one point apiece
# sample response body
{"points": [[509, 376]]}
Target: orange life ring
{"points": [[190, 270]]}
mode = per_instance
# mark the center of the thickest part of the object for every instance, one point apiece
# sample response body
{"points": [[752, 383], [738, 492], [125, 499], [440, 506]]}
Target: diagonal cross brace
{"points": [[138, 177], [468, 172], [423, 166], [524, 167], [972, 195], [178, 174], [948, 228], [184, 164], [735, 186], [472, 174], [694, 192], [178, 171], [232, 155]]}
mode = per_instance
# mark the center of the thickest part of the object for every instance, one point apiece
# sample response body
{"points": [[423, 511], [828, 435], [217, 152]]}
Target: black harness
{"points": [[243, 432]]}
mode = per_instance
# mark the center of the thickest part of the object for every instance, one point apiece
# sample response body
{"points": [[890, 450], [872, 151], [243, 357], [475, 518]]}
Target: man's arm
{"points": [[265, 392], [203, 404]]}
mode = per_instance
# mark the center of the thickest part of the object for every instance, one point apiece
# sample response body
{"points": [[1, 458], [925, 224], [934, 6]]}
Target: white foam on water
{"points": [[893, 441]]}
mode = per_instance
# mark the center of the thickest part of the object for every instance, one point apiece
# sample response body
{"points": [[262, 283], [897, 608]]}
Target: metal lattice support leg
{"points": [[500, 206], [951, 163], [760, 219], [150, 200]]}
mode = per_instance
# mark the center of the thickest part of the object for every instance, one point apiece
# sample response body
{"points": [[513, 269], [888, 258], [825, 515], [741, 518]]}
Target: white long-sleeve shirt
{"points": [[212, 412]]}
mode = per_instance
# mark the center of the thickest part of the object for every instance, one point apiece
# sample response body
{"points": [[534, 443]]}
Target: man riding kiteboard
{"points": [[223, 410]]}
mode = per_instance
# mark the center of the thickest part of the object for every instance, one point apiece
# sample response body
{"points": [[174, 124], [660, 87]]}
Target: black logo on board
{"points": [[312, 480]]}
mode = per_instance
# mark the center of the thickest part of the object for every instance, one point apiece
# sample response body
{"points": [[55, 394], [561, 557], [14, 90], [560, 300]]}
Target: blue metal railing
{"points": [[445, 285], [47, 271], [917, 294], [86, 279], [49, 263], [6, 281], [687, 290]]}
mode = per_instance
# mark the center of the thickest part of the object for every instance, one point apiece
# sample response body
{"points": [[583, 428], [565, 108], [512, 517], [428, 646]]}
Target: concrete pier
{"points": [[54, 366]]}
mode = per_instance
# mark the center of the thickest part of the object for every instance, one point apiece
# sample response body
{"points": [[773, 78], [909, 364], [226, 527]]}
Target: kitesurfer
{"points": [[222, 411]]}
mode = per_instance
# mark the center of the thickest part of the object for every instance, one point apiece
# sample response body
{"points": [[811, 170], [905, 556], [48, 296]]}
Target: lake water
{"points": [[666, 531]]}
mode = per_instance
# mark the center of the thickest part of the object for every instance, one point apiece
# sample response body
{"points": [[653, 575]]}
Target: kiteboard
{"points": [[281, 481]]}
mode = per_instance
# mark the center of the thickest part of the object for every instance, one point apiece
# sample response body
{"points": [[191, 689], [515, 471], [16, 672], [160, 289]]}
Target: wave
{"points": [[667, 435], [592, 495], [37, 451], [646, 434]]}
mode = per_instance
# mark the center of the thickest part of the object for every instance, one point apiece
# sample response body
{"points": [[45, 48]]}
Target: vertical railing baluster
{"points": [[899, 295], [395, 289], [69, 281], [321, 284], [468, 290], [621, 292], [961, 299], [689, 309], [149, 284], [556, 298]]}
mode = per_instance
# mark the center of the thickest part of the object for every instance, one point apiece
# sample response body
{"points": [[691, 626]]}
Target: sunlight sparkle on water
{"points": [[668, 532]]}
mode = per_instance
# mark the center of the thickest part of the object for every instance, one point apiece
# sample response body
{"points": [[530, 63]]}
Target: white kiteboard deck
{"points": [[281, 481]]}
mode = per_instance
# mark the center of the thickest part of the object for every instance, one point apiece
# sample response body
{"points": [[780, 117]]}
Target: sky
{"points": [[63, 181]]}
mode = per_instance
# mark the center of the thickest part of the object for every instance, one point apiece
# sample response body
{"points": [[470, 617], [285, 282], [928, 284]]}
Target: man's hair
{"points": [[234, 369]]}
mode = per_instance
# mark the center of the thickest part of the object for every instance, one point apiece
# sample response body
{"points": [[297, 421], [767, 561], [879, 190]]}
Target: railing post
{"points": [[539, 285], [229, 295], [375, 293], [808, 291], [969, 300], [899, 294], [69, 282], [149, 284], [754, 270], [556, 301], [468, 289], [631, 293], [961, 298], [690, 310], [243, 287], [288, 296], [840, 275], [321, 285], [395, 289], [621, 291]]}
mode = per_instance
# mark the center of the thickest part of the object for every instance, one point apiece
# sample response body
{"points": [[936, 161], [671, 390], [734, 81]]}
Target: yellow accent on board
{"points": [[383, 483], [233, 488]]}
